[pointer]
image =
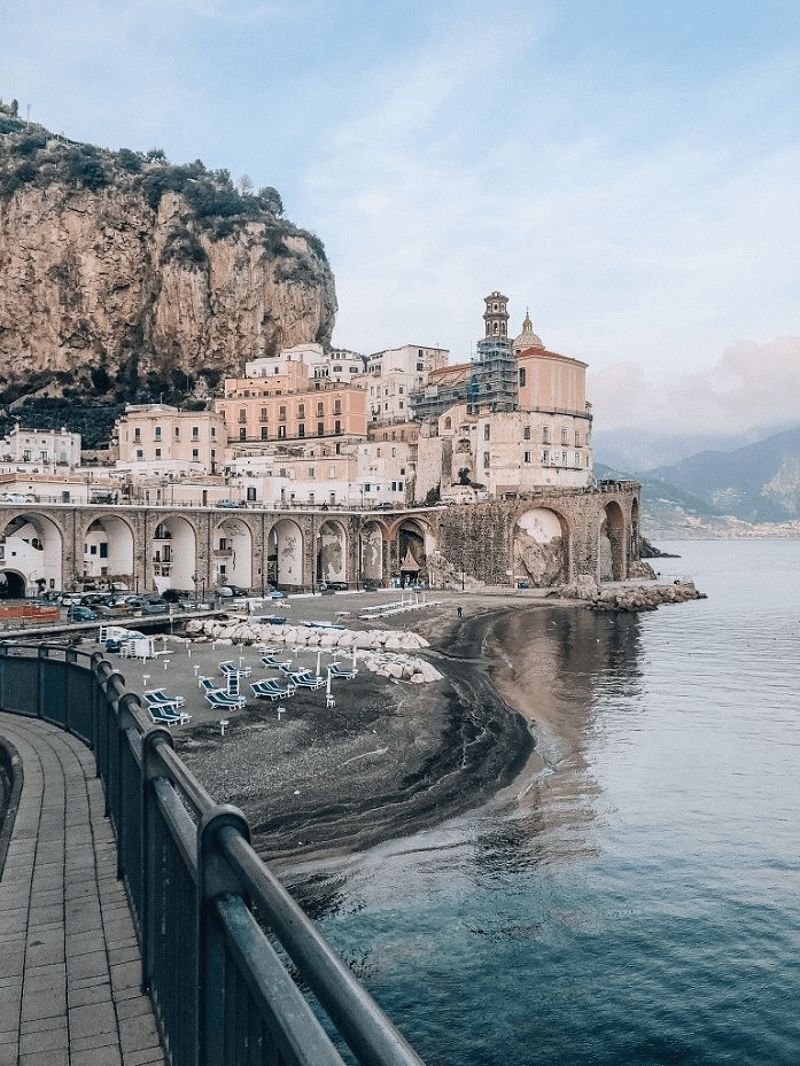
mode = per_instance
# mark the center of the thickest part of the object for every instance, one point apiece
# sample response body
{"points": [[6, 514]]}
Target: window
{"points": [[301, 410], [320, 429], [93, 549], [401, 390], [545, 456], [223, 544], [311, 474], [486, 432], [281, 432], [242, 414], [157, 432], [265, 432], [177, 433], [213, 432], [195, 433], [301, 430], [563, 435], [420, 366], [522, 377], [526, 433], [577, 438], [139, 453], [195, 454], [526, 457], [243, 433], [486, 459], [158, 453], [137, 434], [448, 423], [320, 409], [337, 426], [337, 407], [400, 405], [282, 414], [545, 435], [104, 549], [263, 414]]}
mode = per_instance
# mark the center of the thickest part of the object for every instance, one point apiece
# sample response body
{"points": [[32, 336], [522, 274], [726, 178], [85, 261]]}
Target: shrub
{"points": [[130, 161]]}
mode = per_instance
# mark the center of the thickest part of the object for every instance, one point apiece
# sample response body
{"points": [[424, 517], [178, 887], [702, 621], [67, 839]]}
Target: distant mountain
{"points": [[642, 449], [756, 483]]}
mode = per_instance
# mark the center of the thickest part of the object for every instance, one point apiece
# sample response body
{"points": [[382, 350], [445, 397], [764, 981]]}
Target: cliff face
{"points": [[122, 265]]}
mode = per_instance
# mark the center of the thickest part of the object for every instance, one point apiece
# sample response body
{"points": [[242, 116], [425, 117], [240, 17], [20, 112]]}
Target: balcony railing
{"points": [[221, 991]]}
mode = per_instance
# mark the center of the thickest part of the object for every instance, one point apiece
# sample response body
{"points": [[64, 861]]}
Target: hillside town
{"points": [[312, 430]]}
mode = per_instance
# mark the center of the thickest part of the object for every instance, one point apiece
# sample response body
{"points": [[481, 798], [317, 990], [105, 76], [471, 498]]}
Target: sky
{"points": [[627, 170]]}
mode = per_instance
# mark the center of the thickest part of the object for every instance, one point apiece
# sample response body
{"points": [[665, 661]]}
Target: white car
{"points": [[17, 497]]}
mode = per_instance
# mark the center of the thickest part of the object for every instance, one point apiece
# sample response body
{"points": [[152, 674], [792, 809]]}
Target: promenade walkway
{"points": [[69, 959]]}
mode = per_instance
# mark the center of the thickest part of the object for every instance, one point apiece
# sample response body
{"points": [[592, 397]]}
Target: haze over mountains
{"points": [[754, 483]]}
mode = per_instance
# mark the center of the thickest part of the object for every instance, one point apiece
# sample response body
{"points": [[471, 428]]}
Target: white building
{"points": [[39, 450], [394, 373]]}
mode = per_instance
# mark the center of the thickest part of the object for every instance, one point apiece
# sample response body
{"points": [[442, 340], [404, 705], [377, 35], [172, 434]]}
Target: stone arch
{"points": [[12, 585], [611, 544], [541, 553], [331, 552], [635, 531], [415, 543], [107, 550], [173, 553], [285, 554], [232, 550], [372, 540], [32, 545]]}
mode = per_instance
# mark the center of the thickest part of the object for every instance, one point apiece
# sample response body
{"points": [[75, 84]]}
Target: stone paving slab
{"points": [[67, 943]]}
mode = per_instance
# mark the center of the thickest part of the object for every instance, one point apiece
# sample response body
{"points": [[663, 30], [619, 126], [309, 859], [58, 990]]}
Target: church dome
{"points": [[527, 339]]}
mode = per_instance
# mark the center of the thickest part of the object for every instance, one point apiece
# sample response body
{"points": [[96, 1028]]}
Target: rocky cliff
{"points": [[119, 269]]}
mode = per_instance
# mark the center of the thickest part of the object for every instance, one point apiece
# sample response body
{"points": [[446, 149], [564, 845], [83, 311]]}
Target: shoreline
{"points": [[415, 756]]}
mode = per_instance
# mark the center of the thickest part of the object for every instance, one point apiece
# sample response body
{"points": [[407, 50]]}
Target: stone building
{"points": [[159, 440]]}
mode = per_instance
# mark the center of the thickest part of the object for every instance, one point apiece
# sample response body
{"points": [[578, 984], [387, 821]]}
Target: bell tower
{"points": [[495, 316]]}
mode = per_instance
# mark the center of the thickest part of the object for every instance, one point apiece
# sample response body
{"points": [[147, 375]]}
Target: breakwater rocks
{"points": [[627, 597], [382, 648]]}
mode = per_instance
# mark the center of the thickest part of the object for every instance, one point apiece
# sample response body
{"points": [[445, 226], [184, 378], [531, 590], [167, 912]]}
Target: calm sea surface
{"points": [[640, 901]]}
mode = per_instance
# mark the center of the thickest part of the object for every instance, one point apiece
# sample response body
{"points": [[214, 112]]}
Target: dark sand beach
{"points": [[391, 759]]}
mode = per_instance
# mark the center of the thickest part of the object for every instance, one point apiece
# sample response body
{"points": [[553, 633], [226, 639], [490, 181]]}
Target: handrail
{"points": [[198, 891]]}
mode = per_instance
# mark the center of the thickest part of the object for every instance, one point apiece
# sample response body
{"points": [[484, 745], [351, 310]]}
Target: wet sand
{"points": [[389, 760]]}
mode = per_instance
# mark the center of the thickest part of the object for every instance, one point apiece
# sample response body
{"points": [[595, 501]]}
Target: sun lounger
{"points": [[158, 695], [341, 672], [266, 691], [305, 679], [230, 667], [162, 716], [275, 664], [220, 699]]}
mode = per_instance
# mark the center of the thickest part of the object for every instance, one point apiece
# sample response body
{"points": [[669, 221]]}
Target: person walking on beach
{"points": [[459, 610]]}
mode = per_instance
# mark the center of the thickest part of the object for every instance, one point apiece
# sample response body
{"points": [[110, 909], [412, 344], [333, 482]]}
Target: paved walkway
{"points": [[69, 959]]}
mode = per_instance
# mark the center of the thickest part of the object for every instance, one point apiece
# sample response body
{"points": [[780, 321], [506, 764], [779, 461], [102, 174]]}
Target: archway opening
{"points": [[285, 555], [12, 585], [415, 543], [233, 553], [541, 548], [31, 547], [108, 553], [611, 547], [173, 554], [371, 558], [331, 552]]}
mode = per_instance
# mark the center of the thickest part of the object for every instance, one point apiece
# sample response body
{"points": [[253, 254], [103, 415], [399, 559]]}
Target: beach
{"points": [[390, 759]]}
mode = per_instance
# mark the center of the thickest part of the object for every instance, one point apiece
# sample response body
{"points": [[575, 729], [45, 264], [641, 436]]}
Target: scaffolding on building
{"points": [[491, 384]]}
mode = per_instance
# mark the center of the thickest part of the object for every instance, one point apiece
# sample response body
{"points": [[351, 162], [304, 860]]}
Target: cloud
{"points": [[751, 386]]}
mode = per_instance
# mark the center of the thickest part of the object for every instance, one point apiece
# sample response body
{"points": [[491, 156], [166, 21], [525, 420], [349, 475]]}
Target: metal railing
{"points": [[225, 991]]}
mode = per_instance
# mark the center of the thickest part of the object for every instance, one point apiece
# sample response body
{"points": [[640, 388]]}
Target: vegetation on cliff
{"points": [[128, 278]]}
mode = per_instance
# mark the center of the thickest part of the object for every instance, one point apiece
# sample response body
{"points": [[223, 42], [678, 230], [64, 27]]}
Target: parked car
{"points": [[81, 614], [231, 503], [338, 586], [155, 607], [17, 497], [103, 610], [275, 594], [226, 591]]}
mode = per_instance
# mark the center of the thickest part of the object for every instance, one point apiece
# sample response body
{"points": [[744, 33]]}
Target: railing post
{"points": [[42, 653], [151, 769], [124, 718], [71, 658], [214, 878]]}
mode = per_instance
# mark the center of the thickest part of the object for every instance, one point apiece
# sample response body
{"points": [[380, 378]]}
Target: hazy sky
{"points": [[629, 170]]}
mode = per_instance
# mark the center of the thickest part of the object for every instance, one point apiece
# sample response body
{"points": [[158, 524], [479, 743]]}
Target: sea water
{"points": [[638, 901]]}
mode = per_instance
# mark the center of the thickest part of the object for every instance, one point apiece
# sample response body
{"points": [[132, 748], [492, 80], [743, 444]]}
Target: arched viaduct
{"points": [[544, 538]]}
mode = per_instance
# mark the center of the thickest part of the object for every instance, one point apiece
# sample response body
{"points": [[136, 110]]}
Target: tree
{"points": [[14, 108], [271, 199], [246, 185], [156, 155]]}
